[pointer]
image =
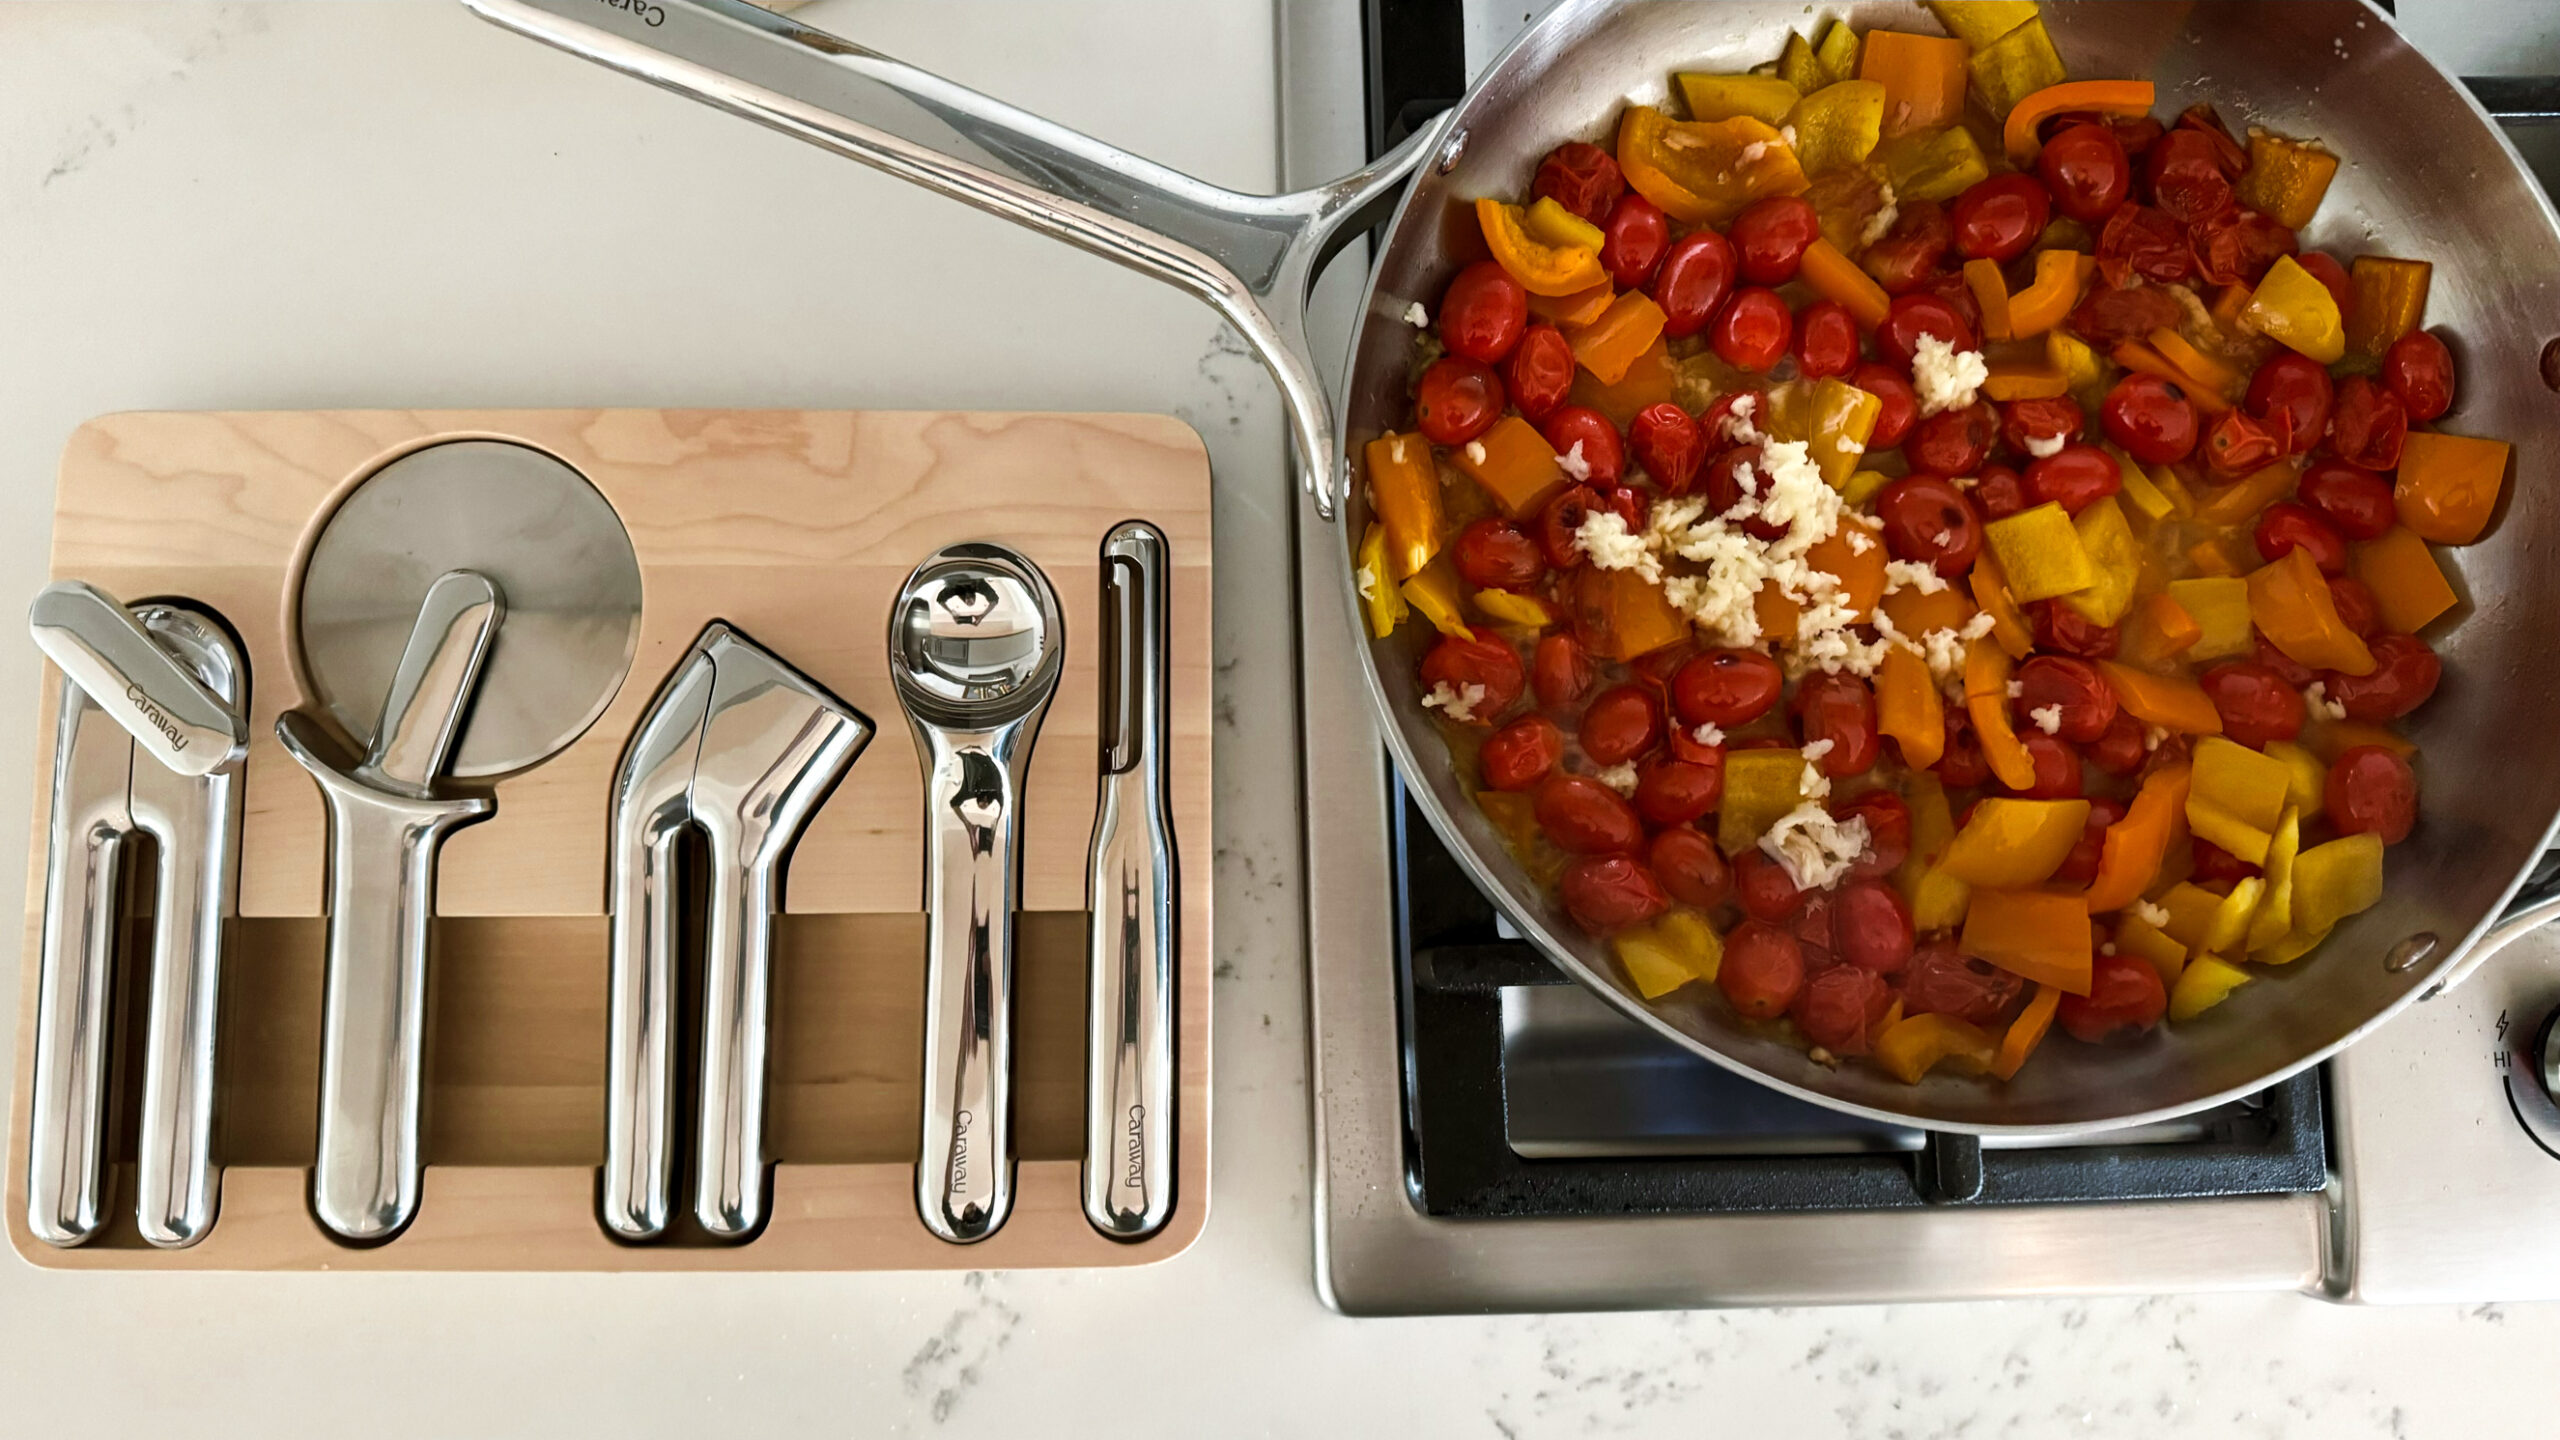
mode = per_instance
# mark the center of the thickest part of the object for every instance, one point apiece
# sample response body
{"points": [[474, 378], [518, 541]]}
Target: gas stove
{"points": [[1489, 1136]]}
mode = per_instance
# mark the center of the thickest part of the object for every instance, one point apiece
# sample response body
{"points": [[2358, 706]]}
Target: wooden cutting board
{"points": [[798, 527]]}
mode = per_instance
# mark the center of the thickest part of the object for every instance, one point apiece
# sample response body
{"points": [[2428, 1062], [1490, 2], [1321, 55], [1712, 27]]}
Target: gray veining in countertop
{"points": [[306, 206]]}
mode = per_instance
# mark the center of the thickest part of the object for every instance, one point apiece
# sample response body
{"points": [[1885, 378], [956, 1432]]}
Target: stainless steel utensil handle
{"points": [[638, 1184], [169, 711], [737, 982], [1253, 257], [196, 822], [964, 1170], [67, 1122]]}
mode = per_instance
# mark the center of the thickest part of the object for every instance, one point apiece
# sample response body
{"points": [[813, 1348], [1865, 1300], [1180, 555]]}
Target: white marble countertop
{"points": [[352, 205]]}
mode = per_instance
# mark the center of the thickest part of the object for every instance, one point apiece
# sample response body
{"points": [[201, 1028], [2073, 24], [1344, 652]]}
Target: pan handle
{"points": [[1252, 257]]}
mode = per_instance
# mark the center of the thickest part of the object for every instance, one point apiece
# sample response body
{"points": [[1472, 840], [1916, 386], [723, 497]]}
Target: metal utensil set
{"points": [[514, 629]]}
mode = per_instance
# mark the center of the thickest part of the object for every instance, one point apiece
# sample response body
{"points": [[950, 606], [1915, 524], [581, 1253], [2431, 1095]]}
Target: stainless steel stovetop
{"points": [[2443, 1147]]}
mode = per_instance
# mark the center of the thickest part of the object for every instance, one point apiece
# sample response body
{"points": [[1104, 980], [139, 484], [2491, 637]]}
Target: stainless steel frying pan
{"points": [[2427, 174]]}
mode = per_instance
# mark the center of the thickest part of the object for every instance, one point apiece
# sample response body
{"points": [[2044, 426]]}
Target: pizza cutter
{"points": [[465, 613]]}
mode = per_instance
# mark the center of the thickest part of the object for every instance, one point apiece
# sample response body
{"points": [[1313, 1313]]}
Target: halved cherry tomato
{"points": [[1483, 313], [1942, 980], [1497, 554], [1692, 282], [2125, 991], [1635, 237], [2287, 526], [2355, 501], [2368, 424], [2419, 370], [2405, 673], [1622, 722], [2085, 703], [2235, 445], [1997, 219], [2141, 241], [2152, 419], [1726, 688], [1456, 400], [1842, 710], [1584, 179], [1691, 867], [1762, 970], [1539, 373], [1675, 792], [1888, 823], [1521, 753], [1669, 445], [1953, 442], [2086, 169], [2372, 790], [2237, 246], [1606, 893], [1900, 408], [1912, 316], [1752, 331], [2077, 476], [1771, 235], [1826, 343], [1928, 520], [2113, 314], [1561, 672], [2299, 387], [1909, 253], [2065, 631], [2184, 171], [1458, 662], [1586, 817], [2255, 703], [2057, 766]]}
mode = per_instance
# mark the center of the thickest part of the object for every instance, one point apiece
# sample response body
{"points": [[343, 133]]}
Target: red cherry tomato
{"points": [[2086, 702], [1726, 688], [2184, 171], [2405, 673], [1763, 968], [2419, 371], [1752, 331], [1521, 753], [1561, 672], [2110, 317], [2356, 502], [2125, 992], [2151, 419], [2324, 267], [2121, 750], [2235, 445], [1942, 980], [1691, 867], [1961, 763], [1603, 452], [1900, 408], [1929, 521], [1458, 663], [1999, 492], [2237, 247], [1669, 445], [1585, 817], [2372, 791], [1623, 722], [1771, 235], [2287, 526], [1539, 373], [1953, 442], [1483, 312], [1721, 482], [1838, 1008], [1456, 400], [2255, 704], [2139, 241], [2217, 866], [1998, 218], [1692, 282], [1729, 418], [2086, 169], [2057, 766], [2090, 850], [2075, 477], [1560, 520], [1871, 926], [1608, 893], [1908, 255], [1888, 823], [1633, 241], [1764, 888], [2046, 419], [1584, 179], [2294, 672], [2357, 609], [1826, 342], [1675, 792], [1842, 710], [2065, 631], [1912, 316], [2367, 424], [1498, 554], [2298, 386]]}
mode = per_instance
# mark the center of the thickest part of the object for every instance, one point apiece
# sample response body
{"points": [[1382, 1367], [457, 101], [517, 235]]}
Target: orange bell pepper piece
{"points": [[1515, 465], [2290, 603], [1922, 75], [1623, 615], [2449, 484], [2018, 135], [1696, 170], [1908, 708], [1986, 700], [1991, 293], [1541, 269], [2168, 701], [2024, 380], [2160, 630], [2408, 586], [2228, 302], [1991, 593], [1649, 381], [2203, 372], [2391, 301], [2238, 503], [2140, 358], [2286, 179], [1775, 613], [1609, 346], [2034, 933], [1860, 572], [2010, 844], [2060, 277], [1912, 1046], [1404, 485], [2137, 844], [2026, 1032], [1837, 278], [1579, 308], [1914, 614]]}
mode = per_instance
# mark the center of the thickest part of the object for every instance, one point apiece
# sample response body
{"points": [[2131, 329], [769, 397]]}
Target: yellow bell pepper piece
{"points": [[1650, 964], [1979, 22], [1912, 1046], [2230, 928], [1541, 268], [2294, 309], [1837, 53], [1379, 597], [1551, 224], [2160, 629], [2034, 933], [1862, 487], [2205, 983], [1404, 487], [2285, 179], [2139, 937], [2015, 66], [1434, 591], [2336, 880], [1765, 98], [2191, 910], [2290, 604], [2306, 778], [1937, 899], [2010, 844], [2129, 862], [1694, 940], [1934, 165], [1759, 786], [2108, 541], [1799, 66], [2040, 553], [1696, 170], [2219, 605], [2274, 919], [1838, 125], [2291, 948], [2408, 585], [2391, 301], [2146, 497], [1843, 417], [2237, 799], [2080, 366], [1505, 607]]}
